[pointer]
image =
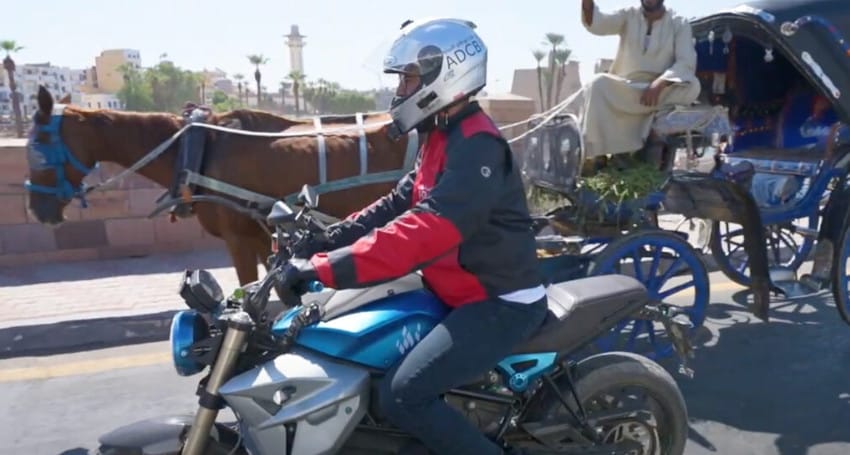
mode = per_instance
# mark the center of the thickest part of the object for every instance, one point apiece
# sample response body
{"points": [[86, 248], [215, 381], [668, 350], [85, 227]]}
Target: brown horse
{"points": [[274, 167]]}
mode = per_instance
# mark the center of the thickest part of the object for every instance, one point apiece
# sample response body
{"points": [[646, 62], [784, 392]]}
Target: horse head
{"points": [[56, 173]]}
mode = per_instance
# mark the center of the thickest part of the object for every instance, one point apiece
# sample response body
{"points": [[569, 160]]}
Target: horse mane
{"points": [[114, 116], [256, 120]]}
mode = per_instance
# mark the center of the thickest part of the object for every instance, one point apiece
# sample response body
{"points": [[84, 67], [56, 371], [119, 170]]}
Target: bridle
{"points": [[54, 154]]}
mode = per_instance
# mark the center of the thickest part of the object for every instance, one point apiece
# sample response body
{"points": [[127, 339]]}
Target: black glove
{"points": [[300, 276], [315, 244]]}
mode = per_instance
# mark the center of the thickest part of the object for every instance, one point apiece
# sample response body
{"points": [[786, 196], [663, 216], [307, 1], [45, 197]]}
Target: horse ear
{"points": [[45, 101], [65, 99]]}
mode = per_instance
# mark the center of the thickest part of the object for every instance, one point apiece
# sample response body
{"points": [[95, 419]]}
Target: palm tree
{"points": [[10, 47], [257, 60], [538, 55], [562, 55], [239, 78], [554, 40], [284, 86], [297, 78]]}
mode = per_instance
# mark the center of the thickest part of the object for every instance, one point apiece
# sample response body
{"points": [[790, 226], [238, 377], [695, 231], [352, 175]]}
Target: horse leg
{"points": [[244, 260]]}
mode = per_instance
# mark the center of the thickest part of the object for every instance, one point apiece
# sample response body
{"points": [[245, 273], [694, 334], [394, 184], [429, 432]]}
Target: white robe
{"points": [[613, 119]]}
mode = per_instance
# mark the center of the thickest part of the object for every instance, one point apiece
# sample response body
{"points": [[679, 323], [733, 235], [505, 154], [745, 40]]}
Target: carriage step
{"points": [[806, 232], [786, 280]]}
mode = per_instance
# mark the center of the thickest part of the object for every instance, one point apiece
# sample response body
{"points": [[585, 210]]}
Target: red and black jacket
{"points": [[460, 216]]}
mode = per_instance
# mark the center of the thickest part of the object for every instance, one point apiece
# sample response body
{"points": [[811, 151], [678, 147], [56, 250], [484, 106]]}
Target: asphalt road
{"points": [[778, 388]]}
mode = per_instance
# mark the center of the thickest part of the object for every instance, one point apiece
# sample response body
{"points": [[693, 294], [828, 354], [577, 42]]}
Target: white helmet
{"points": [[450, 60]]}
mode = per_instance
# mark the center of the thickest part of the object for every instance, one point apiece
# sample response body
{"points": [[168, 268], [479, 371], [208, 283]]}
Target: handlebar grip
{"points": [[315, 286]]}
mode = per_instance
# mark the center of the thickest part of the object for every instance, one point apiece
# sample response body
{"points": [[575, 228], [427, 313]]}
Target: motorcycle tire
{"points": [[612, 371]]}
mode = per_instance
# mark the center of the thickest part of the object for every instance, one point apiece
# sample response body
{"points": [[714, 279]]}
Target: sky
{"points": [[345, 39]]}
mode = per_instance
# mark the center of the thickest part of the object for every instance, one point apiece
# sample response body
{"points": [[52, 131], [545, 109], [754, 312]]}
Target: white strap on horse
{"points": [[323, 153], [412, 150], [364, 156]]}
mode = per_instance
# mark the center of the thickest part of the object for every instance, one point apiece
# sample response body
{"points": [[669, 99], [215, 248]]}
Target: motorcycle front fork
{"points": [[238, 326]]}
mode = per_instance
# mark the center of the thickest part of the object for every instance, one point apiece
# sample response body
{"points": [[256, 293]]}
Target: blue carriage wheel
{"points": [[840, 280], [671, 271], [727, 249]]}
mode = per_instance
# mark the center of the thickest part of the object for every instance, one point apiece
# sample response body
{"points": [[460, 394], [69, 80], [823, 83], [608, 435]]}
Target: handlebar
{"points": [[297, 232]]}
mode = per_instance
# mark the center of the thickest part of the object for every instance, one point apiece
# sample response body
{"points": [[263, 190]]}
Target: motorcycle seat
{"points": [[582, 309]]}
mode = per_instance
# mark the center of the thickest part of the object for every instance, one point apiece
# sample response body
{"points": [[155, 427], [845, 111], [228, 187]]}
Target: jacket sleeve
{"points": [[604, 24], [457, 206], [375, 215]]}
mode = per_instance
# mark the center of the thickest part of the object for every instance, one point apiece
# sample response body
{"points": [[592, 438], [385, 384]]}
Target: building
{"points": [[525, 84], [603, 65], [295, 42], [216, 79], [106, 76], [97, 100], [60, 81], [508, 108]]}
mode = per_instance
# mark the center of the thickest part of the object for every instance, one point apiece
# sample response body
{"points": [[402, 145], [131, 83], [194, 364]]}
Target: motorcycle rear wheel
{"points": [[611, 380]]}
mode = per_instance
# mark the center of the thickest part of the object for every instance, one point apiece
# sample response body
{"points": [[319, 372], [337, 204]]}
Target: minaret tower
{"points": [[295, 41]]}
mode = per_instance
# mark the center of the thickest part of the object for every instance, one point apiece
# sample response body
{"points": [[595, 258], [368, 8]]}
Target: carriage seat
{"points": [[780, 173], [802, 161], [703, 119]]}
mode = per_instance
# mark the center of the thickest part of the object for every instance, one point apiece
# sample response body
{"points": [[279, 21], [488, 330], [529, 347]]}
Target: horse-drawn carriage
{"points": [[770, 124], [771, 114]]}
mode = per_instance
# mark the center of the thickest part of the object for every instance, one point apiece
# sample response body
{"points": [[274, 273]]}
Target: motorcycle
{"points": [[300, 374]]}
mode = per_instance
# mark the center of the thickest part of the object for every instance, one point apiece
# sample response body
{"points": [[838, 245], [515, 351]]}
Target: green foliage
{"points": [[164, 87], [330, 98], [223, 103], [623, 183], [136, 93]]}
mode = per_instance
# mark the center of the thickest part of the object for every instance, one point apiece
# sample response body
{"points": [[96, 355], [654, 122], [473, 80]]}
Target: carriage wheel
{"points": [[841, 277], [674, 275], [783, 249]]}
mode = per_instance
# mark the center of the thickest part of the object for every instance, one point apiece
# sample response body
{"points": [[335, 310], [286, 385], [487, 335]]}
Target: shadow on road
{"points": [[109, 268], [83, 335], [789, 377]]}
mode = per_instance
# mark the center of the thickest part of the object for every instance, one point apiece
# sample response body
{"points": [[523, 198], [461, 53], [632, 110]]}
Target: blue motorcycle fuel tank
{"points": [[377, 334]]}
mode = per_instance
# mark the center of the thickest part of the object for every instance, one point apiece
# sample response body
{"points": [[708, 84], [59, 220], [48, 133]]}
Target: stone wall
{"points": [[114, 224]]}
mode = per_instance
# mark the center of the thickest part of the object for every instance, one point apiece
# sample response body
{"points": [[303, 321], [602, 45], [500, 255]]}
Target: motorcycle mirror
{"points": [[308, 197], [280, 214]]}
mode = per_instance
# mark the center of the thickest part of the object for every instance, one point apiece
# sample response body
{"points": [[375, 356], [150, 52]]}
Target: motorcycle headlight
{"points": [[187, 327]]}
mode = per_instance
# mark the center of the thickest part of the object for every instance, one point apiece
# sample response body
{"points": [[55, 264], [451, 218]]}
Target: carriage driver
{"points": [[654, 68], [461, 217]]}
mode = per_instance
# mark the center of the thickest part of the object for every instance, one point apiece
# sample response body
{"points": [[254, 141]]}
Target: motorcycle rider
{"points": [[461, 217]]}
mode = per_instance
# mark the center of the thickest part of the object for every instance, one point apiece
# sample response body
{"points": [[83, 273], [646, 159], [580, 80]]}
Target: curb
{"points": [[84, 334]]}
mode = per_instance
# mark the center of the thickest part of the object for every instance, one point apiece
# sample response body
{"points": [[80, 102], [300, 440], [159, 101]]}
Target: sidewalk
{"points": [[70, 306]]}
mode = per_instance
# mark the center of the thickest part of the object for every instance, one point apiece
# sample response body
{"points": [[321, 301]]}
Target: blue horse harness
{"points": [[54, 154]]}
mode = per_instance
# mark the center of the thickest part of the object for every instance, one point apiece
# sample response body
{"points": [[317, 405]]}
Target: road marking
{"points": [[722, 286], [83, 367], [100, 365]]}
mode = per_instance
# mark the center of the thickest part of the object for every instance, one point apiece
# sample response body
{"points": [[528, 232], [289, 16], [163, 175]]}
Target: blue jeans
{"points": [[470, 341]]}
